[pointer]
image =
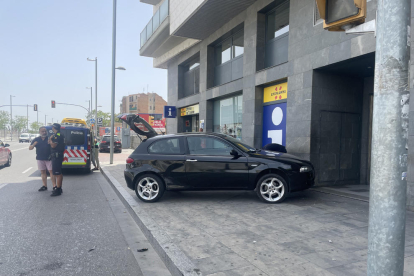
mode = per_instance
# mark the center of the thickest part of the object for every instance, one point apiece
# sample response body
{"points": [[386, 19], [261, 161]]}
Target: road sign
{"points": [[92, 120], [170, 111], [100, 121]]}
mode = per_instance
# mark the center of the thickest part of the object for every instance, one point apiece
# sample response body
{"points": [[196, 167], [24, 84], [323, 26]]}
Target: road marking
{"points": [[13, 150], [27, 170], [3, 185]]}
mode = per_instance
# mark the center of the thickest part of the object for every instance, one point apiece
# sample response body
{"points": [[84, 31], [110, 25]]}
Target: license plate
{"points": [[75, 160]]}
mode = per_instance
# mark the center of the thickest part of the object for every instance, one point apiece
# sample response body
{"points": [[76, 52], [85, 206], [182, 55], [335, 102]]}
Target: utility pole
{"points": [[27, 120], [111, 144], [96, 96], [45, 120], [387, 204], [11, 118]]}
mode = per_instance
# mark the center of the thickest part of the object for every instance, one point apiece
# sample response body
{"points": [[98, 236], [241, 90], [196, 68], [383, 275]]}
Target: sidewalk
{"points": [[233, 233]]}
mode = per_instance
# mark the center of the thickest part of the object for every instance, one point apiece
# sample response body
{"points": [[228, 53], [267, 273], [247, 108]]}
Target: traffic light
{"points": [[151, 120], [53, 104], [35, 107], [341, 15]]}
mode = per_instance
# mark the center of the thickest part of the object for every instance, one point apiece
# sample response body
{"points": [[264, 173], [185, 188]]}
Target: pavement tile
{"points": [[307, 246], [331, 258], [220, 263], [203, 246], [239, 238], [350, 244], [244, 271], [409, 264], [409, 251], [306, 269], [354, 269], [326, 218], [223, 230], [279, 234]]}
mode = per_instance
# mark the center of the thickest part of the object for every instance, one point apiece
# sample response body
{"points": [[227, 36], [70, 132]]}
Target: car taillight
{"points": [[103, 142], [89, 147], [129, 160], [118, 142]]}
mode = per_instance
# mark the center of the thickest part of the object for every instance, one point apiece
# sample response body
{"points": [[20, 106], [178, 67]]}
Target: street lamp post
{"points": [[11, 118], [111, 156], [90, 103], [45, 119], [96, 92]]}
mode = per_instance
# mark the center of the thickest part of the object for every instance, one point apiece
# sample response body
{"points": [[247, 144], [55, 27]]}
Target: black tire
{"points": [[278, 187], [9, 161], [156, 182]]}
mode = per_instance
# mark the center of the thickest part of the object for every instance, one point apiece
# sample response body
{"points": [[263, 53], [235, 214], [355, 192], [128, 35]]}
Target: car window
{"points": [[74, 137], [207, 146], [24, 135], [108, 139], [165, 146]]}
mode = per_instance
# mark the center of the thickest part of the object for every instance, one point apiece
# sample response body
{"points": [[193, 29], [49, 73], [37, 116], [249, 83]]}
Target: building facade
{"points": [[148, 103], [266, 71]]}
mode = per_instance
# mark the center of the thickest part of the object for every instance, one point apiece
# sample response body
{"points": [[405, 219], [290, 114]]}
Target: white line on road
{"points": [[13, 150], [3, 185], [27, 170]]}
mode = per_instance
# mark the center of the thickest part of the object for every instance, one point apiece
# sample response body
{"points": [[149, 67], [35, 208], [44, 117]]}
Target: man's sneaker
{"points": [[43, 188], [57, 192]]}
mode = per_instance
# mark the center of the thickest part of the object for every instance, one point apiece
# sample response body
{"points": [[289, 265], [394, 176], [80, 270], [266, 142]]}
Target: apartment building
{"points": [[266, 71], [149, 103]]}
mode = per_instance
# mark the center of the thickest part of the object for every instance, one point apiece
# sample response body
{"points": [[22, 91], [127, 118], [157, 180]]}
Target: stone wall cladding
{"points": [[180, 10]]}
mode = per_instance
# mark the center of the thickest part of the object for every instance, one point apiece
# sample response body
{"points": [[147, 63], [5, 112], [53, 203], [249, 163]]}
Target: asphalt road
{"points": [[77, 233]]}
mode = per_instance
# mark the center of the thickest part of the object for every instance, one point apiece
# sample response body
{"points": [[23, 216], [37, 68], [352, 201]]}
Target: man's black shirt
{"points": [[42, 148], [60, 140]]}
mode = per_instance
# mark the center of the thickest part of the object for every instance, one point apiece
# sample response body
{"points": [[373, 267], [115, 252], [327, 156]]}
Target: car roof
{"points": [[186, 134]]}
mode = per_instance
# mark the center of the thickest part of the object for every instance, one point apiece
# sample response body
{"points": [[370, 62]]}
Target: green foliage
{"points": [[34, 127], [19, 123], [4, 119]]}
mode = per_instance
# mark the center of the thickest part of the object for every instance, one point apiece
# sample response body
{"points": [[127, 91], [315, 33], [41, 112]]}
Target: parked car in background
{"points": [[104, 145], [32, 136], [25, 137], [5, 155], [210, 161]]}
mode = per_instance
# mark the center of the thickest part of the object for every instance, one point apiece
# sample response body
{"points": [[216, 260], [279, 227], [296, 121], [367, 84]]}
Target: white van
{"points": [[25, 137]]}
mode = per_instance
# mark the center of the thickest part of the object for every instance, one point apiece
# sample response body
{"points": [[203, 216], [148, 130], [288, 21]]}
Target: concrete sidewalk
{"points": [[233, 233]]}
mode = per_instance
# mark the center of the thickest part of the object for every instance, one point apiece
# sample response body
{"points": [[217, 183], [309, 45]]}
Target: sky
{"points": [[43, 50]]}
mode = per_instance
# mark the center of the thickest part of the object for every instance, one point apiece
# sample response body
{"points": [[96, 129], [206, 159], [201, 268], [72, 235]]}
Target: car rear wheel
{"points": [[9, 161], [272, 188], [149, 188]]}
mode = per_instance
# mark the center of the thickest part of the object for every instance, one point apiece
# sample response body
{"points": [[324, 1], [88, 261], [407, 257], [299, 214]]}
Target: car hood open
{"points": [[138, 124]]}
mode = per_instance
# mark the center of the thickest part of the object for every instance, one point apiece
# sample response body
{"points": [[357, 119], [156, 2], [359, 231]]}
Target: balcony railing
{"points": [[155, 22]]}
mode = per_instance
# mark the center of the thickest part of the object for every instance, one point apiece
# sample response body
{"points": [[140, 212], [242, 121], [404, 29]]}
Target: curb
{"points": [[174, 259]]}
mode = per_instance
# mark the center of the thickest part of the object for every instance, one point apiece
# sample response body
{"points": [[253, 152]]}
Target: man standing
{"points": [[57, 143], [42, 156], [96, 155]]}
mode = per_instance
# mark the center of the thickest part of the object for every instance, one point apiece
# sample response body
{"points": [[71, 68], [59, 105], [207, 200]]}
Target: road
{"points": [[86, 231]]}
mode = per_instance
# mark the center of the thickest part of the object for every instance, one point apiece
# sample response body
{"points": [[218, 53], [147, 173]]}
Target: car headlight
{"points": [[305, 169]]}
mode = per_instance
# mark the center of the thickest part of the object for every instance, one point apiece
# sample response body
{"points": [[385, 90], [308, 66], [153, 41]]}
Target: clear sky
{"points": [[43, 50]]}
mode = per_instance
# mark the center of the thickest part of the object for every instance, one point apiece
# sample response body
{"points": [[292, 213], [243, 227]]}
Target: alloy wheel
{"points": [[272, 189], [148, 188]]}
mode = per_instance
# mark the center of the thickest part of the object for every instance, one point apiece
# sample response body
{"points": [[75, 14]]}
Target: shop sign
{"points": [[274, 124], [190, 110], [275, 93]]}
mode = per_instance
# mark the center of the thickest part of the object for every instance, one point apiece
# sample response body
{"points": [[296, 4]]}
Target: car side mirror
{"points": [[6, 145], [234, 153]]}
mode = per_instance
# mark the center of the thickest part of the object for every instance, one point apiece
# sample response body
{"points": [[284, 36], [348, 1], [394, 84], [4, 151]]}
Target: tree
{"points": [[106, 117], [4, 119], [19, 123], [34, 126]]}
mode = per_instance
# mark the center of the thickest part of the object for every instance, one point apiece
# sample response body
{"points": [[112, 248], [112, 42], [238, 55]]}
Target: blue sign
{"points": [[274, 124], [118, 128], [92, 121], [170, 111]]}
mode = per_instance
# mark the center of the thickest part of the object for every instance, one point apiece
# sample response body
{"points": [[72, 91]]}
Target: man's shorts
{"points": [[57, 165], [43, 165]]}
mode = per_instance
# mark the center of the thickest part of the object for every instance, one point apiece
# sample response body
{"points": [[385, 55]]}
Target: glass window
{"points": [[226, 51], [238, 44], [228, 116], [278, 21], [74, 137], [194, 65], [203, 145], [165, 146]]}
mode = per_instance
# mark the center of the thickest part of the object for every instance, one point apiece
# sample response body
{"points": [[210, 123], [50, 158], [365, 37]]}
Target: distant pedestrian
{"points": [[95, 159], [57, 143], [43, 157]]}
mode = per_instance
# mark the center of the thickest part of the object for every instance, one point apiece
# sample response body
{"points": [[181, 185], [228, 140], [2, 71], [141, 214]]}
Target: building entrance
{"points": [[190, 123]]}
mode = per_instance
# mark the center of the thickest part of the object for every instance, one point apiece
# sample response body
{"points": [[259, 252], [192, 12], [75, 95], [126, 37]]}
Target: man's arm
{"points": [[51, 143], [33, 145]]}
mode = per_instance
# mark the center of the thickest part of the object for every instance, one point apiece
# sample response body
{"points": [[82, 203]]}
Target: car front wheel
{"points": [[9, 160], [149, 188], [272, 188]]}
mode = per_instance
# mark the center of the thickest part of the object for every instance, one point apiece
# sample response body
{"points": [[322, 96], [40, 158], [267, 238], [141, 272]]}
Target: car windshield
{"points": [[108, 139], [24, 135], [239, 144]]}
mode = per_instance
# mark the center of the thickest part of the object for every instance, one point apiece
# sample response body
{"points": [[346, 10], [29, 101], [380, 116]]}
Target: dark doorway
{"points": [[340, 139]]}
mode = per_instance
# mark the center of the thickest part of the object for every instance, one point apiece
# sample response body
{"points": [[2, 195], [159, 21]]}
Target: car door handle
{"points": [[191, 160]]}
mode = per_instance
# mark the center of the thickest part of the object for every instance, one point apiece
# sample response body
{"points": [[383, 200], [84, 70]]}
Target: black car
{"points": [[104, 145], [209, 161]]}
